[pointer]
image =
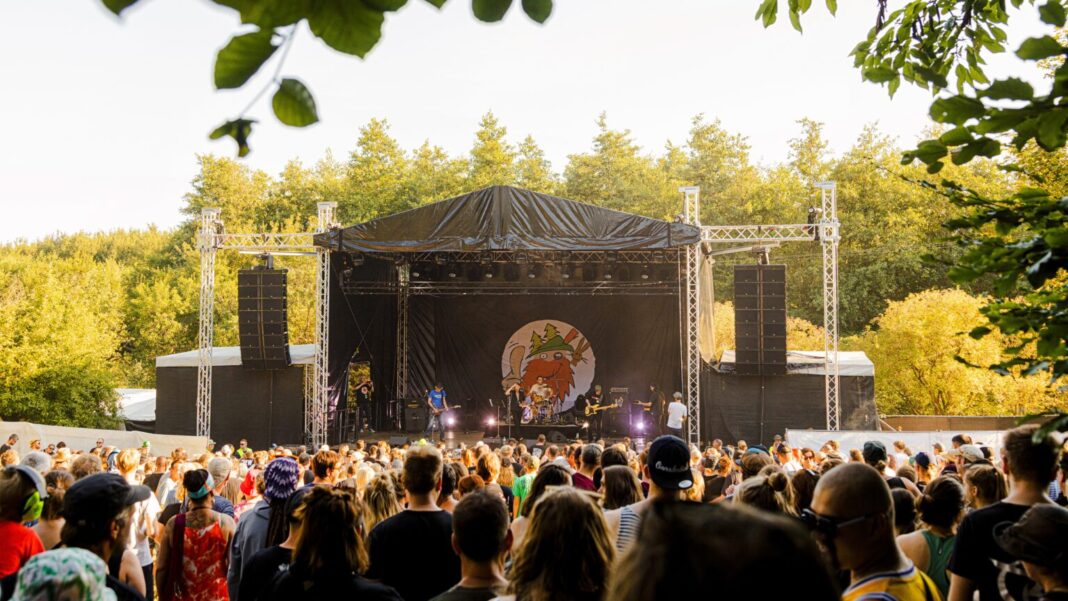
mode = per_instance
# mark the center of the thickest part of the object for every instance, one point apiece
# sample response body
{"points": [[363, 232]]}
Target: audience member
{"points": [[1037, 541], [330, 553], [22, 496], [567, 552], [267, 524], [551, 475], [984, 485], [266, 563], [667, 469], [619, 487], [422, 521], [978, 563], [929, 548], [193, 550], [852, 516], [482, 540], [589, 464]]}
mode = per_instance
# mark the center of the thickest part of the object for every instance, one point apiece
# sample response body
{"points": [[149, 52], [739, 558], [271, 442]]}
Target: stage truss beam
{"points": [[692, 317], [207, 243], [321, 388]]}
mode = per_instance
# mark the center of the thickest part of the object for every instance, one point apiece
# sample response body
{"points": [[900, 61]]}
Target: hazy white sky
{"points": [[103, 118]]}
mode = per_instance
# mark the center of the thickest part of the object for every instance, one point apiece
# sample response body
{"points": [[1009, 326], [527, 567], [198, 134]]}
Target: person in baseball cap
{"points": [[668, 462], [95, 510], [1038, 540]]}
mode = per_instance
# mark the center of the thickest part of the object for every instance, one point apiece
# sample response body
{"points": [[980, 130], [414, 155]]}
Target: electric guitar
{"points": [[592, 409]]}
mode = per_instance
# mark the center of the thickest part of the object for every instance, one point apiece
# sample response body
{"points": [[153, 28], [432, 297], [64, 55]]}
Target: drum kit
{"points": [[540, 410]]}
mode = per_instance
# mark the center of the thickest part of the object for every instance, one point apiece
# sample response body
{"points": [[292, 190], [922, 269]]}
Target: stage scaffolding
{"points": [[825, 230]]}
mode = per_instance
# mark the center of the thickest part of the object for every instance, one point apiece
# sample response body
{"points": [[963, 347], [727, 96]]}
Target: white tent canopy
{"points": [[850, 363], [300, 354], [137, 404]]}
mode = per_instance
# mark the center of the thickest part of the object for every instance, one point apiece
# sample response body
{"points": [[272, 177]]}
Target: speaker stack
{"points": [[261, 318], [760, 319], [414, 417]]}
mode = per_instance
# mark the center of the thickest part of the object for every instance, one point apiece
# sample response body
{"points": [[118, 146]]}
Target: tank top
{"points": [[205, 560], [629, 520], [940, 549]]}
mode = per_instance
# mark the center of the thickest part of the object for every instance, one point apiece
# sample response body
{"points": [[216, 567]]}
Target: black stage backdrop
{"points": [[464, 341]]}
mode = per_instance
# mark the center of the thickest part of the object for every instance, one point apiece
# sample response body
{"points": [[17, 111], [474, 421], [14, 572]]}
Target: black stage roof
{"points": [[503, 218]]}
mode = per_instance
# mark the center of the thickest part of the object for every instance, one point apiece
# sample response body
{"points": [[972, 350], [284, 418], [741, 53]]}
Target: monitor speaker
{"points": [[396, 441], [414, 418], [760, 319], [261, 318]]}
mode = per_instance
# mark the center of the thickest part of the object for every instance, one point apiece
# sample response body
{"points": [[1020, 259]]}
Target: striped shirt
{"points": [[629, 520]]}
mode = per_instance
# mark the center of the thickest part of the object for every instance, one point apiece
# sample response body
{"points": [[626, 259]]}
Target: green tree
{"points": [[532, 170], [434, 175], [376, 176], [492, 160]]}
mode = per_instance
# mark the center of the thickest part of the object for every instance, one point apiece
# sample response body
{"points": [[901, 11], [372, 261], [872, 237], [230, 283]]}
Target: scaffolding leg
{"points": [[692, 321], [206, 242], [322, 332], [403, 279], [829, 231]]}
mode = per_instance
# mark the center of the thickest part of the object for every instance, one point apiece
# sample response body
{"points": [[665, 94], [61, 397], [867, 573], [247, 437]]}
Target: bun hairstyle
{"points": [[768, 491], [941, 503], [778, 481], [194, 481]]}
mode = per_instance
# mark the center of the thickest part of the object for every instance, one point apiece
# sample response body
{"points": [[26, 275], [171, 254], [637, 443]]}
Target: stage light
{"points": [[450, 421], [644, 274], [357, 259], [640, 426], [585, 425], [491, 421], [534, 271], [452, 270]]}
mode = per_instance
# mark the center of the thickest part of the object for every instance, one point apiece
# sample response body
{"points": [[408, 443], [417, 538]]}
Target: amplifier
{"points": [[619, 396]]}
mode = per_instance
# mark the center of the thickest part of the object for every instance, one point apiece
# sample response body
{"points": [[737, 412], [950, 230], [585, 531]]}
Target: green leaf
{"points": [[117, 6], [1012, 88], [1039, 48], [931, 76], [878, 74], [956, 136], [239, 59], [437, 3], [768, 11], [239, 130], [386, 5], [979, 332], [795, 20], [293, 104], [1052, 12], [930, 151], [832, 6], [490, 11], [956, 109], [268, 14], [894, 84], [1051, 134], [347, 26], [539, 10]]}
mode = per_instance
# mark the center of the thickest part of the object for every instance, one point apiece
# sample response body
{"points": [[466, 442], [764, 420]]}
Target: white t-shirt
{"points": [[676, 411]]}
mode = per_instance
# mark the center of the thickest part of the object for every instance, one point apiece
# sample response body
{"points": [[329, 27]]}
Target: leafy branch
{"points": [[349, 26]]}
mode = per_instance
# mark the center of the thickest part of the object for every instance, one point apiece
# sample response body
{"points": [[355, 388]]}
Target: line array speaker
{"points": [[262, 318], [760, 319]]}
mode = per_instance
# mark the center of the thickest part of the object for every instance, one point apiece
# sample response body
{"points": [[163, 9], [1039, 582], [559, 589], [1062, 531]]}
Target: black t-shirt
{"points": [[978, 558], [714, 487], [4, 448], [287, 586], [412, 552], [462, 593], [258, 571]]}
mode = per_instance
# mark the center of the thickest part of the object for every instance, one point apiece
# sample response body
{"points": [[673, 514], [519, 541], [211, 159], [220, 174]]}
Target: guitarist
{"points": [[438, 405], [592, 409], [654, 410]]}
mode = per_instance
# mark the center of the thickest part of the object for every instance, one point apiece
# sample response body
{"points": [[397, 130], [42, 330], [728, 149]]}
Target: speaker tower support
{"points": [[207, 243]]}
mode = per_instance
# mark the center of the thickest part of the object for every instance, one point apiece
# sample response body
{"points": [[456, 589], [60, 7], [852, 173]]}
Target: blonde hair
{"points": [[127, 461], [381, 500]]}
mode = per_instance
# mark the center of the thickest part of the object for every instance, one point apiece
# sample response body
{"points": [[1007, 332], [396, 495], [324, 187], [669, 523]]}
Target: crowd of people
{"points": [[578, 521]]}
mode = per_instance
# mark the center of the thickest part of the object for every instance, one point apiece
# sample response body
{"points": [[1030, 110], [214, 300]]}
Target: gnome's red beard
{"points": [[557, 374]]}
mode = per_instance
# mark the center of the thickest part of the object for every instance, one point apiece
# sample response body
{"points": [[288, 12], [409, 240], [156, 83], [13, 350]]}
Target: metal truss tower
{"points": [[321, 388], [829, 235], [207, 243], [692, 317], [403, 281]]}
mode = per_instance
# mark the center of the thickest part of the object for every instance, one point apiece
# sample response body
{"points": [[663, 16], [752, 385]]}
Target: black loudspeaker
{"points": [[619, 396], [414, 417], [556, 437], [396, 441], [760, 319], [617, 422], [261, 318]]}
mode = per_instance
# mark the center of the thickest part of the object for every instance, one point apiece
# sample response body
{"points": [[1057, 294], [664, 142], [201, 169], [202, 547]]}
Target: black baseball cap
{"points": [[669, 463], [100, 497], [874, 452]]}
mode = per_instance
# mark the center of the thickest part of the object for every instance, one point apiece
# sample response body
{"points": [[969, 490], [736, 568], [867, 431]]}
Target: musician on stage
{"points": [[363, 402], [591, 401], [653, 411], [515, 398], [438, 404], [542, 392]]}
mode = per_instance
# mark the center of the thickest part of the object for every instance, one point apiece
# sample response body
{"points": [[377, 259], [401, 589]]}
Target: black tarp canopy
{"points": [[503, 218]]}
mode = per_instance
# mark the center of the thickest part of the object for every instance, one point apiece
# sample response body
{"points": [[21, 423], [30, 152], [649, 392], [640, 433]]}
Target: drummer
{"points": [[541, 392]]}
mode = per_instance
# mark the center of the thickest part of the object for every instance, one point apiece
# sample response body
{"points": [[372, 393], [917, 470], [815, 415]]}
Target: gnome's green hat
{"points": [[550, 341]]}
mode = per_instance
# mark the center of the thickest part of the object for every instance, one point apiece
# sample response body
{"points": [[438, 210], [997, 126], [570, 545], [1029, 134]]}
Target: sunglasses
{"points": [[828, 526]]}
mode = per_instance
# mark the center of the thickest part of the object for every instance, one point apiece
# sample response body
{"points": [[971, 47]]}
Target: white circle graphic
{"points": [[554, 350]]}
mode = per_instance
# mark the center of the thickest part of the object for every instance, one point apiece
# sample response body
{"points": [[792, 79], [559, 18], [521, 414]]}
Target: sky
{"points": [[105, 116]]}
